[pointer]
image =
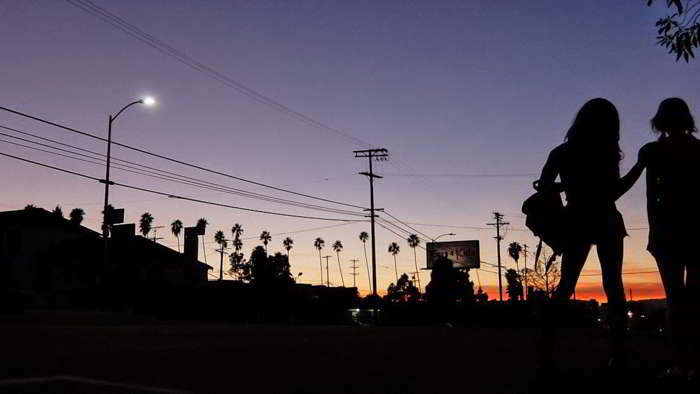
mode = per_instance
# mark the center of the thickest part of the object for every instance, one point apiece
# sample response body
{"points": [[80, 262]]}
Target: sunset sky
{"points": [[468, 97]]}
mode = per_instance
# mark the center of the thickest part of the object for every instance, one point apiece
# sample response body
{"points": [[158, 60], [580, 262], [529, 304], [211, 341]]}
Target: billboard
{"points": [[463, 254]]}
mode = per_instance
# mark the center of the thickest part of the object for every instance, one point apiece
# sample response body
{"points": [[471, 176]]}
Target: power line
{"points": [[159, 174], [504, 175], [395, 233], [163, 157], [136, 170], [308, 230], [152, 191], [196, 65], [404, 223]]}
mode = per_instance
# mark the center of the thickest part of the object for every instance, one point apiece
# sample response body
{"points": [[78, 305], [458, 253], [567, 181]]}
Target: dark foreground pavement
{"points": [[144, 356]]}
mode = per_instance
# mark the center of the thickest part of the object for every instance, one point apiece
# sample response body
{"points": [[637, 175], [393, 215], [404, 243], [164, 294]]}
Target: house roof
{"points": [[40, 216], [46, 219]]}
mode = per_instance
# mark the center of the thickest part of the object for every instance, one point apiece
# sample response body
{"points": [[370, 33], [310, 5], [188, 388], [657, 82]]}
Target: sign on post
{"points": [[463, 254]]}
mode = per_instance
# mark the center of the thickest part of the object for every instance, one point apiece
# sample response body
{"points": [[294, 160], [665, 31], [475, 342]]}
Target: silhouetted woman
{"points": [[588, 166], [673, 171]]}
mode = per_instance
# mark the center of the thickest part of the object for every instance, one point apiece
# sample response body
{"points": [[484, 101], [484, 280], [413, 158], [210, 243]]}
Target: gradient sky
{"points": [[454, 89]]}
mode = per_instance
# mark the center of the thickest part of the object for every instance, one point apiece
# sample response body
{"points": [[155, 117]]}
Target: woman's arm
{"points": [[627, 181], [549, 174]]}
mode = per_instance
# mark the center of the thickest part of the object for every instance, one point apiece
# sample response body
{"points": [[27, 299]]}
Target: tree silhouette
{"points": [[545, 275], [319, 243], [58, 211], [288, 243], [394, 250], [29, 207], [403, 290], [236, 258], [680, 31], [449, 285], [76, 215], [265, 237], [202, 227], [237, 230], [413, 242], [514, 286], [269, 271], [481, 297], [145, 224], [337, 247], [176, 228], [220, 239], [515, 250], [364, 237]]}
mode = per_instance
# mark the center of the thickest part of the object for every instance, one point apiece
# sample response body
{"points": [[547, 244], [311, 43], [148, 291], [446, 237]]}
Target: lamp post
{"points": [[105, 220], [442, 235]]}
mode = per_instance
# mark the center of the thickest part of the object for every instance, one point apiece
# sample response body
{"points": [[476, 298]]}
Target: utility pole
{"points": [[328, 280], [499, 222], [525, 254], [155, 231], [221, 263], [354, 271], [377, 154]]}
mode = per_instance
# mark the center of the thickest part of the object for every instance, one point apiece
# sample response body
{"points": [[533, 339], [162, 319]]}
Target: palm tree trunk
{"points": [[369, 274], [517, 267], [204, 252], [341, 270], [415, 260], [221, 265], [178, 243], [396, 271], [320, 264]]}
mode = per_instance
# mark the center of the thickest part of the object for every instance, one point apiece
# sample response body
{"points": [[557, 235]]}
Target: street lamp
{"points": [[442, 235], [149, 101]]}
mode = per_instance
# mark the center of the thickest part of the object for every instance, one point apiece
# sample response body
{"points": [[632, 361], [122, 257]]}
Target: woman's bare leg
{"points": [[610, 256], [672, 278]]}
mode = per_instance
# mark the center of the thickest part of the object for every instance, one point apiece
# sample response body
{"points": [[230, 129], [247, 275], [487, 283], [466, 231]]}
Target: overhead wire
{"points": [[175, 196], [167, 158], [405, 224], [168, 50], [176, 179], [139, 34]]}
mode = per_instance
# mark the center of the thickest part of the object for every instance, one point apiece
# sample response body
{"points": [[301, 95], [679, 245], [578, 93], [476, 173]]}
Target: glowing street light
{"points": [[149, 101]]}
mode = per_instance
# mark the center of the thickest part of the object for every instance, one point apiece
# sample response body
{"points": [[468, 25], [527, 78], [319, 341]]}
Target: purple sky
{"points": [[449, 87]]}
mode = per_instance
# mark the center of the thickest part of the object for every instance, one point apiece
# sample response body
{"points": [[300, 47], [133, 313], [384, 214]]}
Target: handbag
{"points": [[545, 217]]}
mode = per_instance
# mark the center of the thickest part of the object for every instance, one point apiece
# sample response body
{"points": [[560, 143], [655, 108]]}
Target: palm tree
{"points": [[287, 243], [394, 250], [223, 244], [236, 257], [364, 237], [202, 227], [337, 247], [514, 250], [145, 224], [237, 230], [413, 242], [77, 215], [265, 237], [176, 228], [319, 243]]}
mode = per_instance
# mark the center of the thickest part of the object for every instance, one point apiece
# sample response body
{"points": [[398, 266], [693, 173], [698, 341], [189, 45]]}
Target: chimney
{"points": [[191, 243]]}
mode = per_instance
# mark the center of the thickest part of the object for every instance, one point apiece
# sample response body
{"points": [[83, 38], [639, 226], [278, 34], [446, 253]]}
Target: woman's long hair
{"points": [[596, 132], [673, 116]]}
